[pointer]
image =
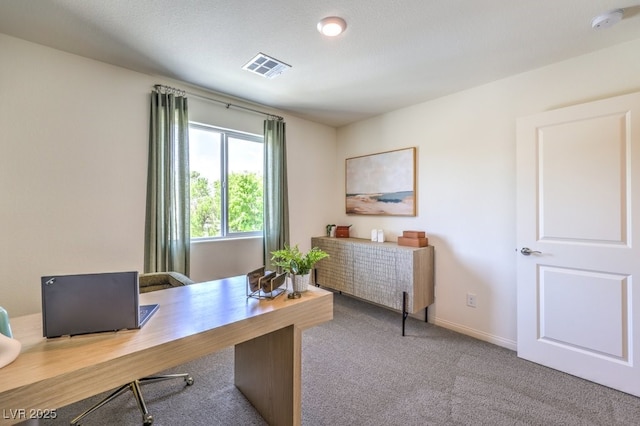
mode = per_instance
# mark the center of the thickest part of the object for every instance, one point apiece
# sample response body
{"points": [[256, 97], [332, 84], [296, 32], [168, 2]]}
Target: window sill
{"points": [[224, 239]]}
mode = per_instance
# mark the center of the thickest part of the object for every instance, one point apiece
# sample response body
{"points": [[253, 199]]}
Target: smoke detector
{"points": [[266, 66], [607, 20]]}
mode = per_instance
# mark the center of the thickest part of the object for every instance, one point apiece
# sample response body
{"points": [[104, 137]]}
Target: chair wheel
{"points": [[147, 420], [189, 380]]}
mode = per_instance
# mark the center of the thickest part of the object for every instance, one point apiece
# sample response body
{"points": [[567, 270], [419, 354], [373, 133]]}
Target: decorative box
{"points": [[342, 231]]}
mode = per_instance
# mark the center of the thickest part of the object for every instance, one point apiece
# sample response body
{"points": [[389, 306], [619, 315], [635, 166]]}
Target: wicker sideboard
{"points": [[382, 273]]}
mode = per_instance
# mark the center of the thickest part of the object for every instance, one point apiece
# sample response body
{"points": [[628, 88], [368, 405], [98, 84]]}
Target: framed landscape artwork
{"points": [[382, 184]]}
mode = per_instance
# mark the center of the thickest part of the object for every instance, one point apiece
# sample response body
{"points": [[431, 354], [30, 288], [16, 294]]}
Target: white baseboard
{"points": [[480, 335]]}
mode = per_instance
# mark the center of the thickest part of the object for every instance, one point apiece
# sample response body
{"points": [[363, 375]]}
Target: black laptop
{"points": [[92, 303]]}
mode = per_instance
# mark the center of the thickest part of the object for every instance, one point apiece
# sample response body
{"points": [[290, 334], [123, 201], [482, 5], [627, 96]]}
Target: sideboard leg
{"points": [[405, 314], [426, 314]]}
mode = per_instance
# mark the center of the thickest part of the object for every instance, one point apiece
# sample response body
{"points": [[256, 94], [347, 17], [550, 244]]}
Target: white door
{"points": [[578, 205]]}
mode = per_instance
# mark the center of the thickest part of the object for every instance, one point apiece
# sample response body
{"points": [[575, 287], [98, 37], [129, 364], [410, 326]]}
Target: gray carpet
{"points": [[359, 370]]}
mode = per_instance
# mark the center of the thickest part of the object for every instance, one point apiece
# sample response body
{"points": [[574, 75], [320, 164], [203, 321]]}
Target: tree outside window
{"points": [[226, 182]]}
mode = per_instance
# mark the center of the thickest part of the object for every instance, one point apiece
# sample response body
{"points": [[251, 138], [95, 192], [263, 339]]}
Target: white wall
{"points": [[73, 164], [466, 179]]}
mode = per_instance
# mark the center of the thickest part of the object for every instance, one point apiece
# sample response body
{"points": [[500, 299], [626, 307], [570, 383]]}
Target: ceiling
{"points": [[394, 53]]}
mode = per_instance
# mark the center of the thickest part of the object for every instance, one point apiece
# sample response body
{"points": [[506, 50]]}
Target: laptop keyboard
{"points": [[145, 312]]}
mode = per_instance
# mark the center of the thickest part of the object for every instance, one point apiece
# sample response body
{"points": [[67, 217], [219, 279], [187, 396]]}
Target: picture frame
{"points": [[382, 184]]}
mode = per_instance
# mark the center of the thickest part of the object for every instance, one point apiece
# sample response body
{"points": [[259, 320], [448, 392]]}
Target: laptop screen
{"points": [[89, 303]]}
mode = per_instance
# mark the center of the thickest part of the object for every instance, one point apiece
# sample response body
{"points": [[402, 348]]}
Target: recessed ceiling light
{"points": [[332, 26], [607, 20]]}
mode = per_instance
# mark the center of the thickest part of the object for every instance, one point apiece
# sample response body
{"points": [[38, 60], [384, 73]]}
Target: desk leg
{"points": [[268, 373]]}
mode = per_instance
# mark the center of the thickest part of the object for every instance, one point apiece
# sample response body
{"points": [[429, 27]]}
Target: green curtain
{"points": [[276, 203], [167, 230]]}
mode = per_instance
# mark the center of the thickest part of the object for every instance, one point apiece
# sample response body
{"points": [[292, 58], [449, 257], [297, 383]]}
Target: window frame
{"points": [[226, 134]]}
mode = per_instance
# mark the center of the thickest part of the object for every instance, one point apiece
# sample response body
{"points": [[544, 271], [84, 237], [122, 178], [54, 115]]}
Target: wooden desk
{"points": [[192, 321]]}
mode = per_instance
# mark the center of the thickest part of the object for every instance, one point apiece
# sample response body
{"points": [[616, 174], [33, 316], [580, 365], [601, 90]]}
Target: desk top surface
{"points": [[216, 310]]}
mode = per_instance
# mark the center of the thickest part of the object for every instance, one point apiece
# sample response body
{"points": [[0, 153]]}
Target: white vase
{"points": [[9, 350], [300, 283]]}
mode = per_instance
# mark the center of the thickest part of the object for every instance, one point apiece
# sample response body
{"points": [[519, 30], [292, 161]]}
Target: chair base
{"points": [[147, 419]]}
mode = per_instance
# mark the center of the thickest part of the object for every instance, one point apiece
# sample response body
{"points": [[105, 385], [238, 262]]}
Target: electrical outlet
{"points": [[471, 300]]}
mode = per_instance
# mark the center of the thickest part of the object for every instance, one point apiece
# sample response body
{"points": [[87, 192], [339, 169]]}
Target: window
{"points": [[226, 169]]}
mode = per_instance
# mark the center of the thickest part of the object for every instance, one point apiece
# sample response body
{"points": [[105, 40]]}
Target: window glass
{"points": [[245, 185], [226, 182], [205, 172]]}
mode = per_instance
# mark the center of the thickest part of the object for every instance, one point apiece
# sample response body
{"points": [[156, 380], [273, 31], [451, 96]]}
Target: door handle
{"points": [[527, 251]]}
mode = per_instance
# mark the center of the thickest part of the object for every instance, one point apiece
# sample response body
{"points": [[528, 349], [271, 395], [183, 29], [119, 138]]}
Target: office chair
{"points": [[148, 282]]}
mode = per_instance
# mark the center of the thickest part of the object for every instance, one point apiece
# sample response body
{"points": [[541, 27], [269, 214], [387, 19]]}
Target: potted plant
{"points": [[297, 264]]}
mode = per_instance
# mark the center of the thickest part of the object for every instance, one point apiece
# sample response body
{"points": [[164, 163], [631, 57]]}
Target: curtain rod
{"points": [[227, 105], [230, 105]]}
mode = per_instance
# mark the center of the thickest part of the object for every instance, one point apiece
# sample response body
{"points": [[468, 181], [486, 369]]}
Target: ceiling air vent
{"points": [[266, 66]]}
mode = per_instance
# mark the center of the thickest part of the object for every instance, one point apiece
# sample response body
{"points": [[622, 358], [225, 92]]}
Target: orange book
{"points": [[413, 242], [414, 234]]}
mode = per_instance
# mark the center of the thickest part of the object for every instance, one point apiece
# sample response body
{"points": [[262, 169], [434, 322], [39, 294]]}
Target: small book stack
{"points": [[413, 239]]}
